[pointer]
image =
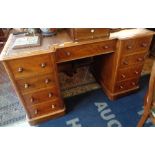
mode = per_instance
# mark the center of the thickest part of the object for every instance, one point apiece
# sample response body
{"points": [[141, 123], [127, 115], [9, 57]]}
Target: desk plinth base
{"points": [[113, 96], [40, 119]]}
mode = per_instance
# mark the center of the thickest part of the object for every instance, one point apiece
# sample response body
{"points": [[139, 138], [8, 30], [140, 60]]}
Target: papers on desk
{"points": [[26, 41]]}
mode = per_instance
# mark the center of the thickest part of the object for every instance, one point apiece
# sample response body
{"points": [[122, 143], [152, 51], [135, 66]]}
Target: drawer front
{"points": [[44, 108], [131, 72], [101, 32], [90, 33], [41, 96], [84, 33], [30, 66], [126, 85], [136, 45], [86, 50], [127, 61], [33, 84]]}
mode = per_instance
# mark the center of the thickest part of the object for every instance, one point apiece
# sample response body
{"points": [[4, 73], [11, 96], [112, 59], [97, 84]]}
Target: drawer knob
{"points": [[92, 30], [136, 72], [133, 83], [43, 65], [20, 69], [50, 95], [123, 76], [36, 112], [47, 81], [32, 99], [53, 106], [121, 87], [68, 53], [129, 47], [26, 85], [106, 47], [144, 44], [125, 62], [139, 59]]}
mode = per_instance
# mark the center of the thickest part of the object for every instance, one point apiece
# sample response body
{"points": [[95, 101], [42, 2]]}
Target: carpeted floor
{"points": [[10, 109], [94, 109]]}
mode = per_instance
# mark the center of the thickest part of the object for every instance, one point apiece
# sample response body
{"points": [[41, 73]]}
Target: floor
{"points": [[4, 78]]}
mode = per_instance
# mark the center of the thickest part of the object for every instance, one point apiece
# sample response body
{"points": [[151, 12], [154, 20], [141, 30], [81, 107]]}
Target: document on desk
{"points": [[26, 41]]}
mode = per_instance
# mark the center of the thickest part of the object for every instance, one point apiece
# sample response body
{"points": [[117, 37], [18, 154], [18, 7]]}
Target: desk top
{"points": [[62, 40]]}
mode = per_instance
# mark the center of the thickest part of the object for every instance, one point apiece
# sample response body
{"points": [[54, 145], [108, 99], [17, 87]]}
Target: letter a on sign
{"points": [[101, 105]]}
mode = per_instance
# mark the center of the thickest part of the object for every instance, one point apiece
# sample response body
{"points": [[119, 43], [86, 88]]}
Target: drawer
{"points": [[86, 50], [131, 72], [41, 96], [44, 108], [78, 34], [128, 61], [136, 45], [126, 85], [33, 84], [30, 66]]}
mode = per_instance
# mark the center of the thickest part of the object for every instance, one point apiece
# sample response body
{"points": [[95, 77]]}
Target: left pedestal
{"points": [[36, 83]]}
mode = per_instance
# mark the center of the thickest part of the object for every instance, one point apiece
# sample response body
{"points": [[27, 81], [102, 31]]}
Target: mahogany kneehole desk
{"points": [[118, 62]]}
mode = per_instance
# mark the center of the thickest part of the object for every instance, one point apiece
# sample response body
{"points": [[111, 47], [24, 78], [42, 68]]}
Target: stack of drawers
{"points": [[132, 55], [35, 79]]}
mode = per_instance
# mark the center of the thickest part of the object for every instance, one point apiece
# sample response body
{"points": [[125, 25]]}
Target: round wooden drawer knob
{"points": [[68, 53], [36, 112], [32, 99], [106, 47], [136, 72], [133, 83], [144, 44], [129, 47], [125, 62], [43, 65], [123, 76], [92, 30], [47, 81], [121, 87], [26, 85], [50, 95], [139, 59], [53, 106], [20, 69]]}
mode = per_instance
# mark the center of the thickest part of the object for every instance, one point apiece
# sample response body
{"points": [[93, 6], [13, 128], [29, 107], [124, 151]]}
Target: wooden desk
{"points": [[118, 62], [3, 37]]}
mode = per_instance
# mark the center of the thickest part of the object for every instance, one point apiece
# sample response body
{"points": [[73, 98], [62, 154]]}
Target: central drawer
{"points": [[86, 50], [34, 83]]}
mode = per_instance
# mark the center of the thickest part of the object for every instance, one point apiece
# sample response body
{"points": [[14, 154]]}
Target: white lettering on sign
{"points": [[114, 123], [74, 122], [105, 114], [101, 105]]}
